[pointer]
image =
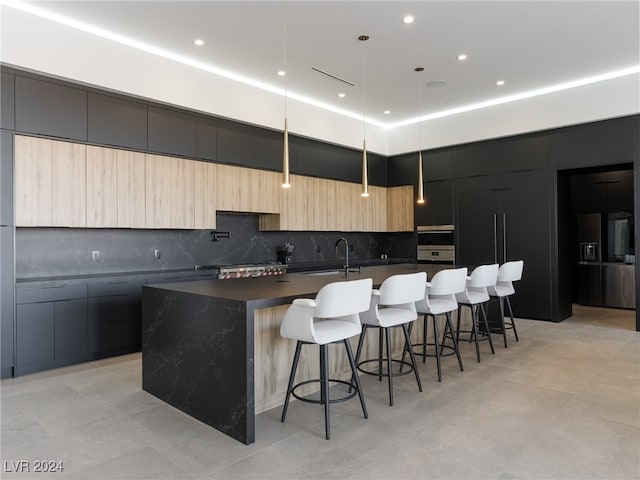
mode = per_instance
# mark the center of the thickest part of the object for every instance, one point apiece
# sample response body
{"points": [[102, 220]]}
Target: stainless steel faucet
{"points": [[346, 253]]}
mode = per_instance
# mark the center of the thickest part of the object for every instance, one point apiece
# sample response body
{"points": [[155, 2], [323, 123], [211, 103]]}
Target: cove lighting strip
{"points": [[137, 44]]}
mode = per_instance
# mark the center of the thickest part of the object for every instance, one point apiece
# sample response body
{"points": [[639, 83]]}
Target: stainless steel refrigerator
{"points": [[606, 258]]}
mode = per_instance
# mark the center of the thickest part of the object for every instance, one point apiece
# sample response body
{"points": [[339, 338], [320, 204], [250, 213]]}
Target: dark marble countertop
{"points": [[282, 289], [194, 271]]}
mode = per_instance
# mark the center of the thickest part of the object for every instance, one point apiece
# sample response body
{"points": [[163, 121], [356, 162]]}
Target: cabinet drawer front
{"points": [[114, 288], [115, 309], [50, 294]]}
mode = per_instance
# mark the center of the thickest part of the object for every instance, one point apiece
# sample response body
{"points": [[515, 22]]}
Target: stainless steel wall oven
{"points": [[436, 243]]}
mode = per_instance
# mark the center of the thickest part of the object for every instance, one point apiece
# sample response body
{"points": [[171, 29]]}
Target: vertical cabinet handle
{"points": [[495, 238], [504, 237]]}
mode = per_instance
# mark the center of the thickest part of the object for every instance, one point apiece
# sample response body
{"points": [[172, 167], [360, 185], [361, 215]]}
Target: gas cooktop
{"points": [[249, 270]]}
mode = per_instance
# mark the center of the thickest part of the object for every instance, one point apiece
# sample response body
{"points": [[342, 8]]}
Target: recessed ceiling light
{"points": [[281, 73], [387, 112], [408, 19], [199, 42], [462, 56], [436, 83], [500, 83], [342, 95]]}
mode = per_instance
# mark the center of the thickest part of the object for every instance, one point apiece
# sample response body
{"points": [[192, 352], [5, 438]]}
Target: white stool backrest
{"points": [[449, 281], [511, 271], [484, 276], [343, 298], [403, 288]]}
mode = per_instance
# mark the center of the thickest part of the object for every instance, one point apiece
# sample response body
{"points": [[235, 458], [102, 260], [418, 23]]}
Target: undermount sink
{"points": [[326, 272]]}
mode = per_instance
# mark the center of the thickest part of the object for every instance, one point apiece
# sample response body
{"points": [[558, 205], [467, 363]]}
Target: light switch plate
{"points": [[95, 256], [156, 254]]}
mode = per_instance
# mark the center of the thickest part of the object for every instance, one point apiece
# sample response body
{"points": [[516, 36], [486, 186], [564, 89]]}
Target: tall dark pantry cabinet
{"points": [[505, 211]]}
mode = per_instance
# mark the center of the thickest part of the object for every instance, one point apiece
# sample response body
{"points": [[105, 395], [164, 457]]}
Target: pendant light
{"points": [[286, 183], [420, 199], [365, 177]]}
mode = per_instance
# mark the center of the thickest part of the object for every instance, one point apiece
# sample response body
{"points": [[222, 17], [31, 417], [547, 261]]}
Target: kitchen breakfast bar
{"points": [[212, 349]]}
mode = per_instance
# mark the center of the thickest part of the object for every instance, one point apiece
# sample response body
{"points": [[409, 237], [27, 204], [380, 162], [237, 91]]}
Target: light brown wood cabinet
{"points": [[115, 188], [205, 195], [50, 183], [242, 189], [33, 182], [400, 209], [169, 193], [102, 187], [72, 185], [131, 189]]}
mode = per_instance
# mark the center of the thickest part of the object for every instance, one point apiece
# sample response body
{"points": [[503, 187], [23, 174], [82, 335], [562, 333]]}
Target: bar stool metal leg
{"points": [[324, 368], [294, 367], [389, 368], [513, 322], [455, 344], [504, 330], [436, 337], [356, 378], [486, 326], [407, 345]]}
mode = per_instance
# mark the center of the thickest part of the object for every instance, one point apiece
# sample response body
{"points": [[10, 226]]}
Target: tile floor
{"points": [[563, 403]]}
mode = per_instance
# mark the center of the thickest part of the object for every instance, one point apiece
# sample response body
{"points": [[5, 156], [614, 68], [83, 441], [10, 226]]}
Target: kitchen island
{"points": [[199, 342]]}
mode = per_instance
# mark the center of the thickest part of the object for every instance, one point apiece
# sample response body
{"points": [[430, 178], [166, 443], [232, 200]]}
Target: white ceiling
{"points": [[528, 44]]}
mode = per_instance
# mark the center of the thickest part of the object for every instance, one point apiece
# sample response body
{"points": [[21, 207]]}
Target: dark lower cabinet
{"points": [[51, 330], [114, 323], [509, 217]]}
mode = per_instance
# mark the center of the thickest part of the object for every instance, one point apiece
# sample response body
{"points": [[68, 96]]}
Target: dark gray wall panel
{"points": [[7, 101], [46, 108], [116, 121], [171, 132], [207, 139]]}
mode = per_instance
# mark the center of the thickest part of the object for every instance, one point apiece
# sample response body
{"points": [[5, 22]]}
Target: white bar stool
{"points": [[440, 298], [393, 305], [474, 297], [332, 317], [509, 272]]}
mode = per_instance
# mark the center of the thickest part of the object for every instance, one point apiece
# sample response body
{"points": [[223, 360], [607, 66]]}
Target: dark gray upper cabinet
{"points": [[234, 145], [403, 169], [7, 101], [479, 159], [438, 165], [267, 151], [207, 139], [438, 206], [525, 153], [46, 108], [171, 132], [601, 143], [116, 121]]}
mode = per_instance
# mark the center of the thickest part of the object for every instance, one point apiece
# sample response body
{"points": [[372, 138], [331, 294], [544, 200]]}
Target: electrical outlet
{"points": [[95, 256], [156, 254], [318, 250], [351, 248]]}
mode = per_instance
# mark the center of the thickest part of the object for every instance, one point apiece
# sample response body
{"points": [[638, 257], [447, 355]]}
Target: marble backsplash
{"points": [[48, 252]]}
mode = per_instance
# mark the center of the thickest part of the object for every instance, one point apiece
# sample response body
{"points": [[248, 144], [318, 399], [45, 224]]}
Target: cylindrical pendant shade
{"points": [[285, 157], [420, 180], [365, 177]]}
